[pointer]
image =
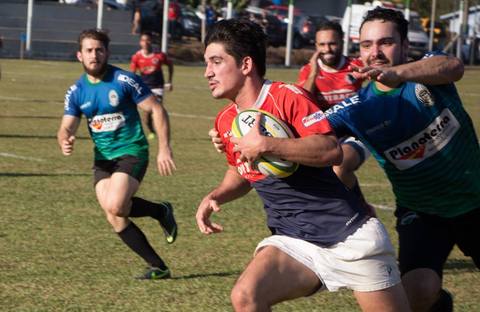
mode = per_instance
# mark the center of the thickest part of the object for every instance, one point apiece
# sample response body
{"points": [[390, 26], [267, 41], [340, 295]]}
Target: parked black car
{"points": [[304, 29], [190, 23]]}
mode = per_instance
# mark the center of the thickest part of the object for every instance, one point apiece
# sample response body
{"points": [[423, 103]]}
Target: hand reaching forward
{"points": [[204, 210]]}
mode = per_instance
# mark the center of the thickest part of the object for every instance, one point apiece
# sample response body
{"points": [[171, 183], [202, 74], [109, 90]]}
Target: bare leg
{"points": [[272, 277], [392, 299]]}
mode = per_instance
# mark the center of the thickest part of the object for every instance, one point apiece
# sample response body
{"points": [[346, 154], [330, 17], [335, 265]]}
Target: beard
{"points": [[97, 72], [331, 62]]}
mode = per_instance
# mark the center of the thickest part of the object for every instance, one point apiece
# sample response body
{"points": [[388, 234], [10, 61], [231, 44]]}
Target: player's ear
{"points": [[247, 65], [79, 56]]}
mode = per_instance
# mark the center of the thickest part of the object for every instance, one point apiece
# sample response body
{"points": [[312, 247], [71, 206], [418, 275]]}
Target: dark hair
{"points": [[146, 33], [240, 38], [388, 15], [93, 34], [331, 25]]}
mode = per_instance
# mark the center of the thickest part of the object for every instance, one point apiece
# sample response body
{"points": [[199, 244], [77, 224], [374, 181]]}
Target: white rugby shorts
{"points": [[365, 261]]}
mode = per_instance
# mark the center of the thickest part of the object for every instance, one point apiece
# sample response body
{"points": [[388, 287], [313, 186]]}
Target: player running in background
{"points": [[149, 63], [412, 119], [108, 97], [322, 237], [328, 77]]}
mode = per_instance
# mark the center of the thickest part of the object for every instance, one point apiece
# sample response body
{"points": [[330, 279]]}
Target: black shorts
{"points": [[131, 165], [425, 241]]}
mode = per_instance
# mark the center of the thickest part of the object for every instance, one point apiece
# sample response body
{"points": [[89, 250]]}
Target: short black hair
{"points": [[331, 25], [240, 38], [388, 15], [146, 33], [93, 34]]}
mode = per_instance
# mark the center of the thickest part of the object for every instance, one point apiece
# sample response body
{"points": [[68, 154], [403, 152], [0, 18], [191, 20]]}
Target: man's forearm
{"points": [[233, 186], [314, 150], [435, 70], [161, 125]]}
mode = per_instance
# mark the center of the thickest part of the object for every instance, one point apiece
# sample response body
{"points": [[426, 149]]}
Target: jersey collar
{"points": [[262, 96]]}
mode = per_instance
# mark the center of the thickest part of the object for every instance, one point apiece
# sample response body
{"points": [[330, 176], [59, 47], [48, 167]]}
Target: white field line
{"points": [[191, 116], [8, 155], [383, 207]]}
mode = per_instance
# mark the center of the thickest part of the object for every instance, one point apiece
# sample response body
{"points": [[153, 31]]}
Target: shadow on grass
{"points": [[219, 274], [28, 136], [465, 265], [21, 174]]}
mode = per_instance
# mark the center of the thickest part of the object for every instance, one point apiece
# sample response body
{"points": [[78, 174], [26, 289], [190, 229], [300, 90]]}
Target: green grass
{"points": [[57, 251]]}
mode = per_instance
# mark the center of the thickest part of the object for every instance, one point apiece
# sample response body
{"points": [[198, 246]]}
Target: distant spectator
{"points": [[147, 16], [174, 14]]}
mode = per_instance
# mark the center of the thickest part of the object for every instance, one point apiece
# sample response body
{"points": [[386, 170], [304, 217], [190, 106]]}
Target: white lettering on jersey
{"points": [[313, 118], [337, 107], [243, 167], [68, 95], [107, 122], [426, 143], [131, 82]]}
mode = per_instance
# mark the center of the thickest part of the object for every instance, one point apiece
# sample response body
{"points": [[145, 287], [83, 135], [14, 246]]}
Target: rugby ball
{"points": [[270, 126]]}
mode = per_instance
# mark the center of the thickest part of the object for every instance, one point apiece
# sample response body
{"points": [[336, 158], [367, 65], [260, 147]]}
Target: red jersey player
{"points": [[149, 64], [328, 77]]}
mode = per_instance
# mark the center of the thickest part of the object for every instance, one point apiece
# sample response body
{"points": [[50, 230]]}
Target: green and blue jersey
{"points": [[424, 140], [110, 107]]}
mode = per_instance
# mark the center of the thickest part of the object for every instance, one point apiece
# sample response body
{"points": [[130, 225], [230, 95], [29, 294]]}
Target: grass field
{"points": [[57, 251]]}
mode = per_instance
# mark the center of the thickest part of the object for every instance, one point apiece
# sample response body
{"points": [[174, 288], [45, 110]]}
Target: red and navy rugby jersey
{"points": [[333, 85], [311, 204]]}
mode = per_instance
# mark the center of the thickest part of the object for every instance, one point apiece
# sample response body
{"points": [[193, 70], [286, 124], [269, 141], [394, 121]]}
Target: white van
{"points": [[417, 37]]}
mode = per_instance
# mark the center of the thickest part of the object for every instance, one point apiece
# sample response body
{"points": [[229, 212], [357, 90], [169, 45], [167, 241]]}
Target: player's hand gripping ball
{"points": [[270, 126]]}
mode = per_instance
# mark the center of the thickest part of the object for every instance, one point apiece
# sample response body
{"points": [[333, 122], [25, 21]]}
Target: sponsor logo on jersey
{"points": [[131, 82], [338, 107], [426, 143], [86, 105], [290, 87], [424, 95], [338, 95], [107, 122], [113, 98], [313, 118]]}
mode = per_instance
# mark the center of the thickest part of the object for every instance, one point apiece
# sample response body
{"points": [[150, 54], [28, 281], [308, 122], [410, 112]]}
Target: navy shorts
{"points": [[131, 165], [425, 241]]}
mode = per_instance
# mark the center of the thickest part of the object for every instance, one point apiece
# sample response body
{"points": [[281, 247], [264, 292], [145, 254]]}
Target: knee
{"points": [[422, 288], [116, 209], [243, 298]]}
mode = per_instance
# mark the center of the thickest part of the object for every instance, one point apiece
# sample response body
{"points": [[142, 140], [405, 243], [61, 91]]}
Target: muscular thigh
{"points": [[275, 276], [116, 191], [467, 232]]}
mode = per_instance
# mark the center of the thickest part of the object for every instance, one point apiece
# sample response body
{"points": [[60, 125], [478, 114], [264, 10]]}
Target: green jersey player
{"points": [[108, 97]]}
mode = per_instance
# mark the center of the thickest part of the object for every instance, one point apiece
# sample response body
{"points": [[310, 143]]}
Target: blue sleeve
{"points": [[71, 104], [338, 116], [134, 86]]}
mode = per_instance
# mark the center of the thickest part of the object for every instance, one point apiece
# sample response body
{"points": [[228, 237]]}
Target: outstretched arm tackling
{"points": [[434, 70]]}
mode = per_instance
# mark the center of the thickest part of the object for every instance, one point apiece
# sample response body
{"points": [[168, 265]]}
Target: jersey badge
{"points": [[313, 119], [113, 98], [424, 95]]}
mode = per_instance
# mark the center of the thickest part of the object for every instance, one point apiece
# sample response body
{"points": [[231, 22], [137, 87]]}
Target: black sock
{"points": [[144, 208], [134, 238], [444, 303]]}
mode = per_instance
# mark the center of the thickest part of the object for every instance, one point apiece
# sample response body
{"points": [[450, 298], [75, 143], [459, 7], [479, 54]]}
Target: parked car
{"points": [[304, 29], [273, 27], [190, 23]]}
